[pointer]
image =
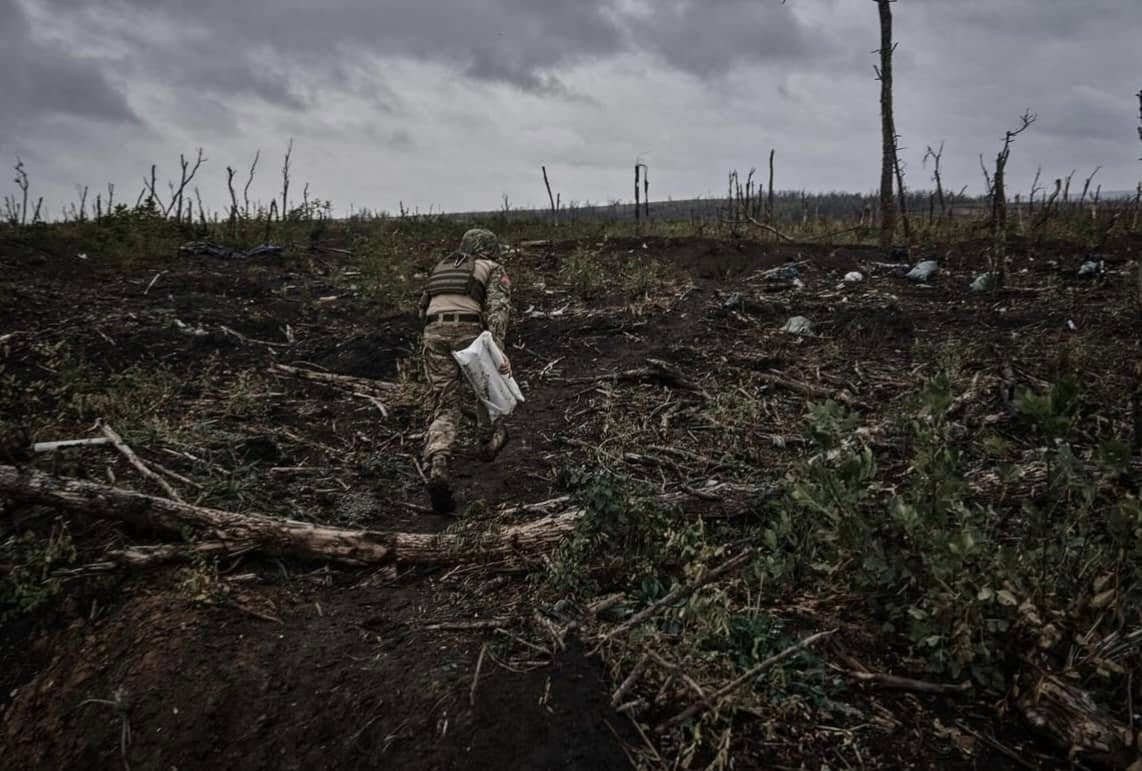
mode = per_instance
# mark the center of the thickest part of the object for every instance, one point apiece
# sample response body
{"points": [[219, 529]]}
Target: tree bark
{"points": [[887, 127], [1071, 718], [280, 536]]}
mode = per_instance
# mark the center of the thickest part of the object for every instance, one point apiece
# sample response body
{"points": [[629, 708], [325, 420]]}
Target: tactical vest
{"points": [[450, 277]]}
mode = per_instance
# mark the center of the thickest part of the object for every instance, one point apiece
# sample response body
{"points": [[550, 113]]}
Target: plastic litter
{"points": [[923, 270], [1090, 268], [982, 283], [480, 363], [798, 325], [854, 277], [891, 268], [781, 273]]}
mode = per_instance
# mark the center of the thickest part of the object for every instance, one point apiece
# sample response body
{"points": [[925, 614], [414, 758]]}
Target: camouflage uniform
{"points": [[441, 338]]}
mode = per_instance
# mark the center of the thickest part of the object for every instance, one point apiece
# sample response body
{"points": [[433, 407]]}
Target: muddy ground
{"points": [[259, 663]]}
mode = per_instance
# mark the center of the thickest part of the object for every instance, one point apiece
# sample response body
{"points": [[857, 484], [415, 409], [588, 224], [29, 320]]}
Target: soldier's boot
{"points": [[491, 446], [440, 485]]}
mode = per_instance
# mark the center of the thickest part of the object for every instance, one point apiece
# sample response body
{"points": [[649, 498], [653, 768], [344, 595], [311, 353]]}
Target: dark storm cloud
{"points": [[512, 41], [382, 94], [216, 44], [42, 81], [709, 37]]}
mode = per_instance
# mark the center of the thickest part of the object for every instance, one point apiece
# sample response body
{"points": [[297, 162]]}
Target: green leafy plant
{"points": [[27, 581]]}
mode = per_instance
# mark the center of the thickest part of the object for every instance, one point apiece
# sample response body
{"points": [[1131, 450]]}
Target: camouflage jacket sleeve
{"points": [[497, 304]]}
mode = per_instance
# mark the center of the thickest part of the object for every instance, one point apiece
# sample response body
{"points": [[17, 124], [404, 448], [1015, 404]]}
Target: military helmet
{"points": [[480, 242]]}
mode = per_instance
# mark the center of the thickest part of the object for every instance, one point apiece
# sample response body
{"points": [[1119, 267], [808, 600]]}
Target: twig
{"points": [[468, 626], [521, 641], [174, 475], [133, 459], [657, 371], [630, 680], [342, 381], [702, 705], [810, 391], [374, 401], [604, 604], [476, 676], [53, 446], [907, 684], [679, 593], [995, 745], [770, 229], [158, 275], [239, 336]]}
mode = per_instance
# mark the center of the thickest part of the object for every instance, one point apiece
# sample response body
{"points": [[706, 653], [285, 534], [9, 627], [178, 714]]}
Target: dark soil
{"points": [[277, 665]]}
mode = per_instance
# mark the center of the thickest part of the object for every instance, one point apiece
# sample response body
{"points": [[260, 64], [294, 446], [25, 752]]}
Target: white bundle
{"points": [[480, 363]]}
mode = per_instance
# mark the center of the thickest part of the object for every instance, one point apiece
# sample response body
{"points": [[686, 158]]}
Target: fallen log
{"points": [[286, 537]]}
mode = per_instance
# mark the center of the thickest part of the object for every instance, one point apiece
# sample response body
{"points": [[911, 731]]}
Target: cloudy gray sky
{"points": [[454, 103]]}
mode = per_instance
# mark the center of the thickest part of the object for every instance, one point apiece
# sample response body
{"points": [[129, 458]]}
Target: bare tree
{"points": [[643, 171], [937, 156], [769, 198], [233, 199], [999, 201], [1067, 187], [637, 193], [246, 189], [646, 191], [22, 183], [1086, 185], [184, 180], [1034, 189], [989, 185], [149, 186], [887, 125], [285, 181], [550, 198]]}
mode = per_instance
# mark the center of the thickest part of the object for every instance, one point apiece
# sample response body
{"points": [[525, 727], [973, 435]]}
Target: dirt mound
{"points": [[331, 681]]}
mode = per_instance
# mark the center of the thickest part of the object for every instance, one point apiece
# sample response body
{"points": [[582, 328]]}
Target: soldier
{"points": [[468, 292]]}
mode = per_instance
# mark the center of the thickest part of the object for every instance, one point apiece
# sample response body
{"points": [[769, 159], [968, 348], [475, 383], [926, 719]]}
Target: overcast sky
{"points": [[455, 103]]}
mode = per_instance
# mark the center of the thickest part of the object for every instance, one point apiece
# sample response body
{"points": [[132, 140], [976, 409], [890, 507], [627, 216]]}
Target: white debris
{"points": [[923, 270], [1090, 268], [798, 325], [854, 277], [982, 283]]}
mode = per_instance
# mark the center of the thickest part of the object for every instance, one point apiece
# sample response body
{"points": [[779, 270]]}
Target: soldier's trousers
{"points": [[447, 386]]}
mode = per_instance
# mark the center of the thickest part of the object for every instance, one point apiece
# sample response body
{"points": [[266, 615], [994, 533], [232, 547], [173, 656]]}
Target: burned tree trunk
{"points": [[887, 126], [637, 206], [769, 198], [937, 156], [999, 202], [550, 198], [285, 182]]}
